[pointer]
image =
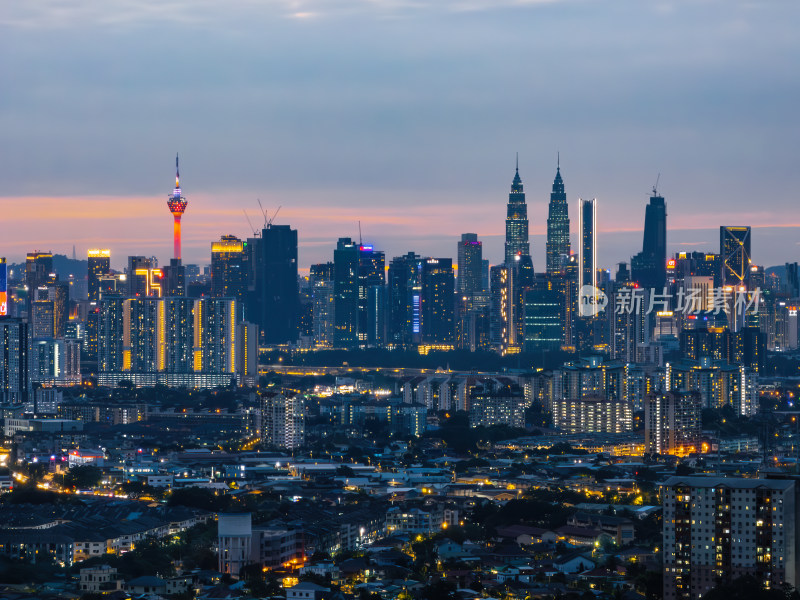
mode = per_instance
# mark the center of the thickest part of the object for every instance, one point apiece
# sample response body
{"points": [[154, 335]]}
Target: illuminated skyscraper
{"points": [[437, 321], [15, 380], [321, 282], [587, 249], [345, 287], [516, 221], [3, 287], [177, 206], [501, 333], [99, 265], [175, 341], [144, 278], [734, 250], [649, 267], [557, 225], [371, 296], [229, 268], [38, 271], [405, 290], [50, 310], [470, 264]]}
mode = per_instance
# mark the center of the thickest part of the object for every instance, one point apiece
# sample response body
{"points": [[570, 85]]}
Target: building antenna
{"points": [[360, 241], [275, 214], [249, 222], [263, 212]]}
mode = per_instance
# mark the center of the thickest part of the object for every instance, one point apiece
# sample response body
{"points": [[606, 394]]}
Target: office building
{"points": [[371, 297], [174, 282], [516, 222], [275, 294], [144, 278], [672, 422], [649, 267], [587, 243], [49, 310], [734, 251], [437, 318], [15, 380], [470, 264], [558, 246], [99, 266], [543, 315], [230, 269], [345, 287], [718, 529], [321, 282], [404, 300]]}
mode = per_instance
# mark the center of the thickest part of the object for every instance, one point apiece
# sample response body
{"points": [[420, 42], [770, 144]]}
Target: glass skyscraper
{"points": [[516, 222], [557, 225]]}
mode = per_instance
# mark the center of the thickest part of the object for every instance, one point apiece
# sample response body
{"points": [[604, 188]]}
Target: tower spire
{"points": [[177, 206], [517, 162]]}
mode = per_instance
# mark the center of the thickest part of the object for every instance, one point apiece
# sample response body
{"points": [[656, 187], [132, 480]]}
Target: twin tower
{"points": [[517, 244]]}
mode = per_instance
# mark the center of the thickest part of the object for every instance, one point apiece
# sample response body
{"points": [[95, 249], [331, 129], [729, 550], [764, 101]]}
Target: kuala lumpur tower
{"points": [[177, 206]]}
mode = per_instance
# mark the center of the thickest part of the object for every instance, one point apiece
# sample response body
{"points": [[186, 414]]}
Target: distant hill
{"points": [[62, 265]]}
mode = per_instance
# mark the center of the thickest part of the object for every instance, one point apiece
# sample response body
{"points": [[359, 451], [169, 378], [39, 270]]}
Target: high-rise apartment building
{"points": [[558, 246], [717, 529], [283, 420], [672, 422], [174, 341], [592, 415]]}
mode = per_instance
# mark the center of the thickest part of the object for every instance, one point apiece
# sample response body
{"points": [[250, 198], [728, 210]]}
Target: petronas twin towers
{"points": [[517, 244]]}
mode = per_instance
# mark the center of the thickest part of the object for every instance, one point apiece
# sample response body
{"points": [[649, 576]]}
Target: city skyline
{"points": [[278, 101], [615, 244]]}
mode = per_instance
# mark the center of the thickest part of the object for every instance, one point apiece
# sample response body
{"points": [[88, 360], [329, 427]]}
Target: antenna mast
{"points": [[360, 241]]}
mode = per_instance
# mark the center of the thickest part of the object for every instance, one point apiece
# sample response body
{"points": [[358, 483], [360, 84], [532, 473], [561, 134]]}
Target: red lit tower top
{"points": [[177, 206]]}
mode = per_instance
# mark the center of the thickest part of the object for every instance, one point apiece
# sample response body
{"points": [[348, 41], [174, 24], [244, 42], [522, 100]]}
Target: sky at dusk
{"points": [[403, 114]]}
